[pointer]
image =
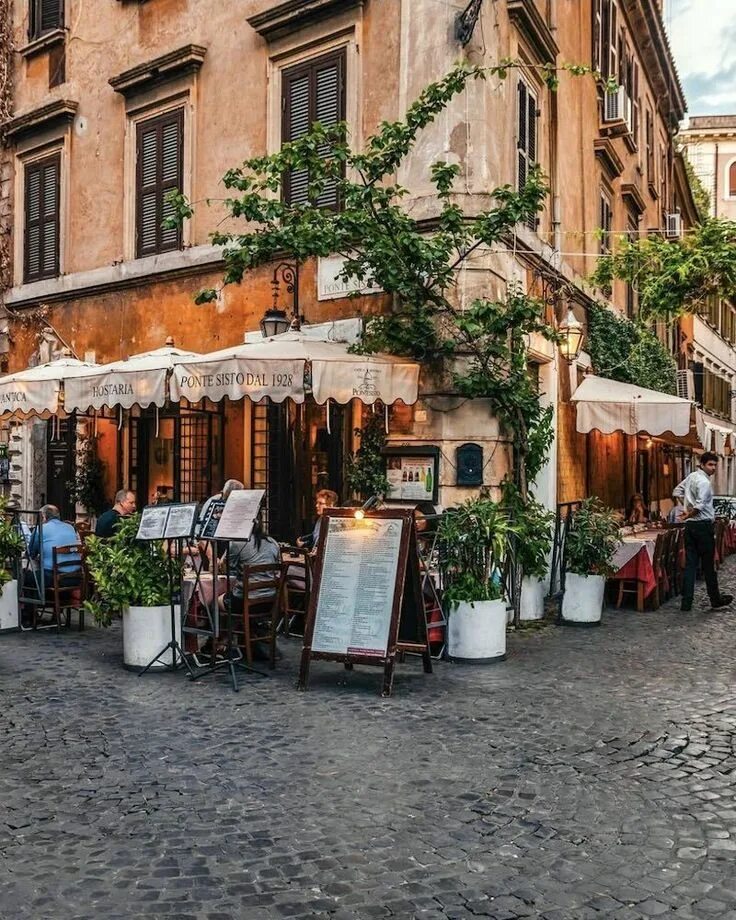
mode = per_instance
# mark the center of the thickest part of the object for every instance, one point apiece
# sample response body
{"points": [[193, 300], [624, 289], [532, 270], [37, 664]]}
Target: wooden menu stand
{"points": [[366, 605]]}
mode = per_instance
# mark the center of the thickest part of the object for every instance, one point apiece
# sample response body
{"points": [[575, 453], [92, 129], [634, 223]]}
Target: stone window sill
{"points": [[43, 43]]}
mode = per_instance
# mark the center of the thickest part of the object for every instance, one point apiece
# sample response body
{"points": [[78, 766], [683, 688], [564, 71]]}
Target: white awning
{"points": [[36, 390], [282, 367], [138, 380], [714, 435], [608, 406]]}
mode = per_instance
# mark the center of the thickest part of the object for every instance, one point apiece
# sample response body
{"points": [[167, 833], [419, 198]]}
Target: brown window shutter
{"points": [[312, 91], [44, 16], [522, 134], [159, 170], [41, 231]]}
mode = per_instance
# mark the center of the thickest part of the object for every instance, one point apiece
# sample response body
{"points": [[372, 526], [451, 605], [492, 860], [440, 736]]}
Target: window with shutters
{"points": [[526, 136], [651, 179], [313, 91], [605, 54], [42, 181], [606, 223], [159, 169], [731, 180], [44, 16]]}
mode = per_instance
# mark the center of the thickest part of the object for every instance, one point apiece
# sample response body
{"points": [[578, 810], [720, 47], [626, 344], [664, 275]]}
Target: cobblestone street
{"points": [[591, 775]]}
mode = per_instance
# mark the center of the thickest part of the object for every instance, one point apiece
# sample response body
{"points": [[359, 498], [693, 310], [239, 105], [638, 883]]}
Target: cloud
{"points": [[703, 39]]}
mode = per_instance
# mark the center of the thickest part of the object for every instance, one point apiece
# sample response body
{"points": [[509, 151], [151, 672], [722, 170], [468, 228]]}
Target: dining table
{"points": [[634, 561]]}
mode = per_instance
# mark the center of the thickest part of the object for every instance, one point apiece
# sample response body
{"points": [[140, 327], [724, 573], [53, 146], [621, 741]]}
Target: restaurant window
{"points": [[44, 16], [42, 180], [526, 137], [313, 91], [159, 171]]}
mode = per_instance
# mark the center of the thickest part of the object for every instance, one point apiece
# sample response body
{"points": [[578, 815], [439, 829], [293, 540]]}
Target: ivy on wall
{"points": [[627, 351]]}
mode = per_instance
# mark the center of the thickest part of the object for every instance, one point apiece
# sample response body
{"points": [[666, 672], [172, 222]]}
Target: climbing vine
{"points": [[627, 351]]}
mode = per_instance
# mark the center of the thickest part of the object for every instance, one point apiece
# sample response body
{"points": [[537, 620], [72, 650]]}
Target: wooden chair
{"points": [[261, 614], [68, 589], [297, 588], [720, 536]]}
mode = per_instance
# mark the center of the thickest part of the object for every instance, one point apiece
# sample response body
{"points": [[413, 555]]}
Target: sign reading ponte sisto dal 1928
{"points": [[254, 379]]}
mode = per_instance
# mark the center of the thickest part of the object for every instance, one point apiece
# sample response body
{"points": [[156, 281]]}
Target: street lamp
{"points": [[275, 321], [571, 335]]}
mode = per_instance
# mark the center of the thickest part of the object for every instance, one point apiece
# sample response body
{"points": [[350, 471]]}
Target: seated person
{"points": [[259, 550], [108, 521], [325, 498], [637, 513], [53, 532]]}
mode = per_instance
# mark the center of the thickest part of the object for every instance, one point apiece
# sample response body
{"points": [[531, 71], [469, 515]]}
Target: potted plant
{"points": [[591, 542], [473, 546], [132, 576], [530, 547], [12, 545]]}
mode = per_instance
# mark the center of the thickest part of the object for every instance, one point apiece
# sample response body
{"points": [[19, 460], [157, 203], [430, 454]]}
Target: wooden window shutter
{"points": [[311, 92], [522, 134], [41, 231], [597, 29], [159, 170], [44, 16]]}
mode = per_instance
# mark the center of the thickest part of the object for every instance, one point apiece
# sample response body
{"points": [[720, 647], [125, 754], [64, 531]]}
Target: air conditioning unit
{"points": [[615, 105], [673, 225], [686, 385]]}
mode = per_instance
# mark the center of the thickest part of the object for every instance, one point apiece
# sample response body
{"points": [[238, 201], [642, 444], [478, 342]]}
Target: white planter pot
{"points": [[582, 602], [146, 630], [9, 606], [532, 598], [476, 633]]}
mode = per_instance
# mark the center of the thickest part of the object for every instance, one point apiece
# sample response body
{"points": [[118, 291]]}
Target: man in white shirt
{"points": [[700, 543]]}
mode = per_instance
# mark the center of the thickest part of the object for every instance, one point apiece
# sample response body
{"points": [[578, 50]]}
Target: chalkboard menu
{"points": [[366, 578]]}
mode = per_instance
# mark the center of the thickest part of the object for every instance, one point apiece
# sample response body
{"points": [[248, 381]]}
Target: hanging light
{"points": [[571, 334], [274, 322]]}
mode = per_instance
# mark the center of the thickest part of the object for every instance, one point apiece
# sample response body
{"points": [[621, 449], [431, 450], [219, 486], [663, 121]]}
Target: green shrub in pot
{"points": [[126, 572], [533, 524], [592, 539], [12, 545], [473, 544]]}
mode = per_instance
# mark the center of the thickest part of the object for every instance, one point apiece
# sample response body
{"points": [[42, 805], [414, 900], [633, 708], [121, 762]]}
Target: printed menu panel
{"points": [[411, 478], [239, 514], [356, 593]]}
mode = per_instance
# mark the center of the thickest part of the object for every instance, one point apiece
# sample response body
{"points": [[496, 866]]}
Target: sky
{"points": [[703, 40]]}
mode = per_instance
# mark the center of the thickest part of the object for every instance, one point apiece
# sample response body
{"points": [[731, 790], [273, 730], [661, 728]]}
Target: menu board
{"points": [[356, 596], [153, 522], [167, 522], [212, 518], [239, 514], [180, 522], [411, 478]]}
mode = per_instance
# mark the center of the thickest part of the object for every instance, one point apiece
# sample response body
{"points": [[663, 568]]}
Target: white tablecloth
{"points": [[631, 544]]}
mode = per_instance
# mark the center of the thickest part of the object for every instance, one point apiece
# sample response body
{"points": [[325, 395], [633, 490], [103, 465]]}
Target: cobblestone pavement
{"points": [[591, 775]]}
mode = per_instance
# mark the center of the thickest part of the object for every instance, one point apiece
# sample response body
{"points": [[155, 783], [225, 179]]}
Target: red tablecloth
{"points": [[639, 568]]}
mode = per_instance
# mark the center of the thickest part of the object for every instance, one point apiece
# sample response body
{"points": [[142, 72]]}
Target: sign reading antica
{"points": [[13, 396]]}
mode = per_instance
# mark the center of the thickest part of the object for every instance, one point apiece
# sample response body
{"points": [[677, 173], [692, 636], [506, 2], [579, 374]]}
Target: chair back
{"points": [[267, 577], [660, 547], [70, 561]]}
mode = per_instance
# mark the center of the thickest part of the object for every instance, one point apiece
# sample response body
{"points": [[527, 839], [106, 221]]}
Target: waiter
{"points": [[700, 540]]}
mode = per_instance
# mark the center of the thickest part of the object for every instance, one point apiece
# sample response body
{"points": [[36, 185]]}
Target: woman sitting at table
{"points": [[325, 498], [259, 550], [637, 512]]}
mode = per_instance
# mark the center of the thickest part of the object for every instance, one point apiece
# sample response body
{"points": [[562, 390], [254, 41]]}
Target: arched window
{"points": [[732, 180]]}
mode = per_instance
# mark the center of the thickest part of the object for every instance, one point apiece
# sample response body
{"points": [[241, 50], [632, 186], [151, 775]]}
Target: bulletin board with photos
{"points": [[412, 472]]}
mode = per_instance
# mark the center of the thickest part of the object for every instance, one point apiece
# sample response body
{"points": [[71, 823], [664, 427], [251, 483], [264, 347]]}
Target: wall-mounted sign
{"points": [[332, 287], [412, 473]]}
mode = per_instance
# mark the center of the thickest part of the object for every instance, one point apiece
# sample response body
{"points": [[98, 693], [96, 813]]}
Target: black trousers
{"points": [[700, 548]]}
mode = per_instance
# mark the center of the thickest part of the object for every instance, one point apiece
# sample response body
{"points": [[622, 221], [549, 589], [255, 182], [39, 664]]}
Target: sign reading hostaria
{"points": [[112, 389], [237, 378]]}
